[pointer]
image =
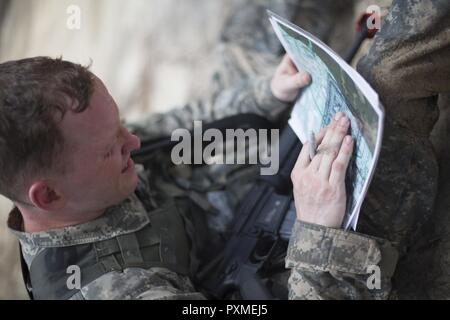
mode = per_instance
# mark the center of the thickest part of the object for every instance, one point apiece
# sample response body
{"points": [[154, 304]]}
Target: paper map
{"points": [[335, 87]]}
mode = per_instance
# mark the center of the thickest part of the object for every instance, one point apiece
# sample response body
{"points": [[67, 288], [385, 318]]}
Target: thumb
{"points": [[285, 87], [296, 81], [301, 79]]}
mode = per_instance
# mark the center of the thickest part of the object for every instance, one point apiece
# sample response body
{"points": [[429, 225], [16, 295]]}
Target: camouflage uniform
{"points": [[127, 283]]}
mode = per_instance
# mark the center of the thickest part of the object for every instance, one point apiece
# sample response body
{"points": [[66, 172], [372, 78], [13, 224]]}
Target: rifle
{"points": [[259, 235]]}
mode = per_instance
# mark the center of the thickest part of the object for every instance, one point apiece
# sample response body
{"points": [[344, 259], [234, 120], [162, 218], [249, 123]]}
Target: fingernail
{"points": [[338, 115], [344, 121], [348, 140], [306, 78]]}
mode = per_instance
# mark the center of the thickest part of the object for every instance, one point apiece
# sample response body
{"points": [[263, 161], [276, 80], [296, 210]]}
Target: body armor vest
{"points": [[160, 243]]}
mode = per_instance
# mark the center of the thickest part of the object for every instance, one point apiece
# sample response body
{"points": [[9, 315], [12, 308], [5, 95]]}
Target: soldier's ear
{"points": [[44, 196]]}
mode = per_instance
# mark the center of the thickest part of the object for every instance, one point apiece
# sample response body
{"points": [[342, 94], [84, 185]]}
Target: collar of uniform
{"points": [[126, 217]]}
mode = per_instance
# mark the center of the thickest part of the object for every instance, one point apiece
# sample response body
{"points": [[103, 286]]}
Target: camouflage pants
{"points": [[409, 66]]}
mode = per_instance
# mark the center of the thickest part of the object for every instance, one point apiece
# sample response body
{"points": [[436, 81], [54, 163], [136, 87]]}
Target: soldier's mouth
{"points": [[128, 165]]}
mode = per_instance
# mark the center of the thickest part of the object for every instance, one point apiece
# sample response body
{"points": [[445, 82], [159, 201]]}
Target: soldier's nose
{"points": [[135, 142]]}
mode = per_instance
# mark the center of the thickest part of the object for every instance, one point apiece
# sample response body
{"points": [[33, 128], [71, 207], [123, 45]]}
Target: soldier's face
{"points": [[100, 171]]}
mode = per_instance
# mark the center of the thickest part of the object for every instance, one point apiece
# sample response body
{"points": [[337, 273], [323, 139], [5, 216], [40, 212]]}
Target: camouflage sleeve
{"points": [[330, 263], [138, 283], [249, 96]]}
